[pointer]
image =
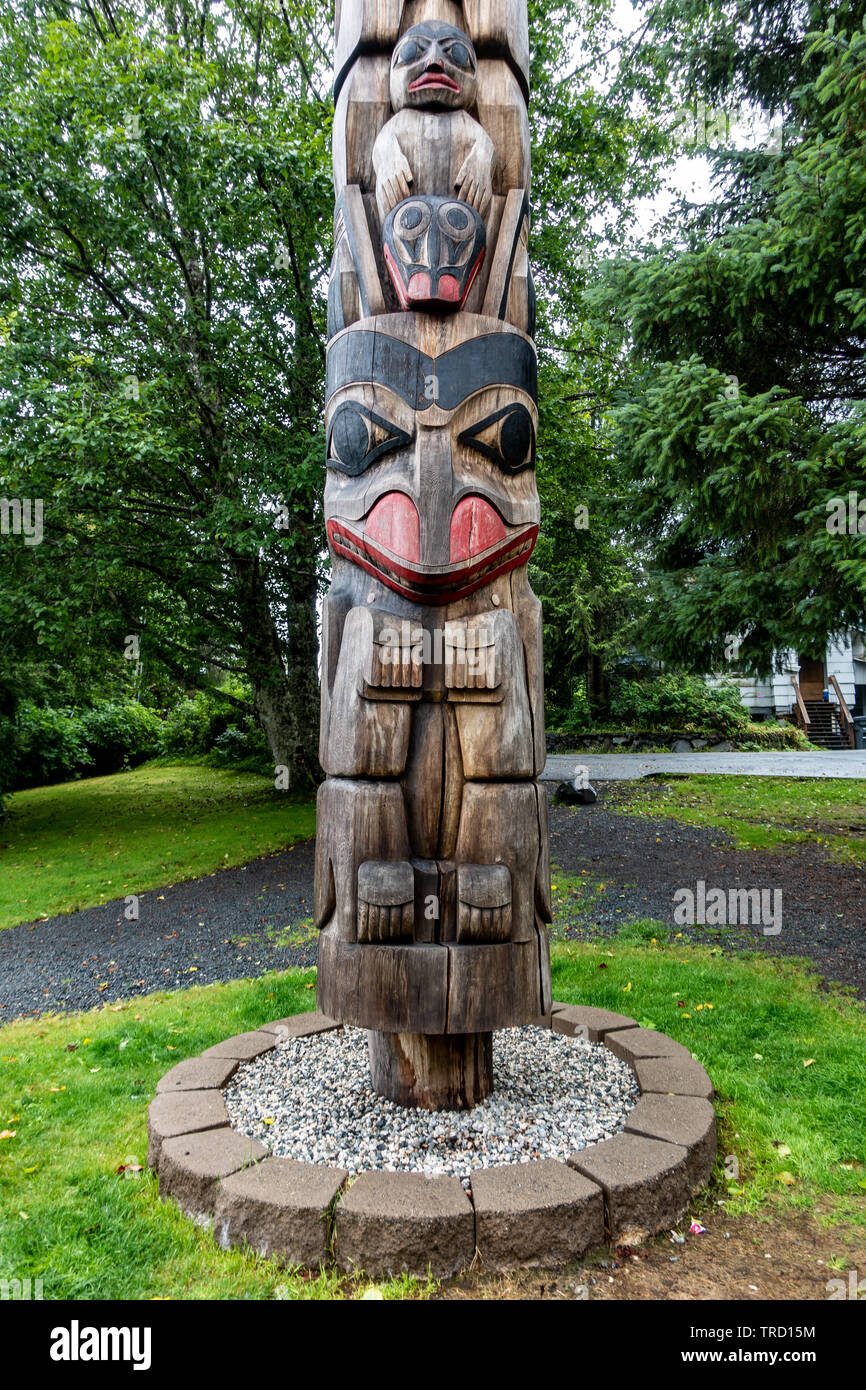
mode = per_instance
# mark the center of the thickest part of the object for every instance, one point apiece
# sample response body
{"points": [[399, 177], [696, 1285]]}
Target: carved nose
{"points": [[394, 523], [475, 526]]}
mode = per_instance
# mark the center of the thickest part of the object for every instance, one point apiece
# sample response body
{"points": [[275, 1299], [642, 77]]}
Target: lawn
{"points": [[762, 812], [789, 1063], [80, 844]]}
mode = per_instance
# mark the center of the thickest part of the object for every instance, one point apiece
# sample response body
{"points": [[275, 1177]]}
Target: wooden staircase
{"points": [[826, 724]]}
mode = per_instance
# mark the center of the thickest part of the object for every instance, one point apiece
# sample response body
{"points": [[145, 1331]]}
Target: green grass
{"points": [[767, 813], [66, 1215], [79, 844], [788, 1061], [74, 1089]]}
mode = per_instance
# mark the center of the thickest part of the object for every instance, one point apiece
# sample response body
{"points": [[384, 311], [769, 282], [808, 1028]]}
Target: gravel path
{"points": [[245, 921], [227, 925], [311, 1099], [642, 863]]}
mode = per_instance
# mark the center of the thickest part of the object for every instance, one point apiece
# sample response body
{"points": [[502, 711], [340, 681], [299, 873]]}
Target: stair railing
{"points": [[845, 720], [801, 714]]}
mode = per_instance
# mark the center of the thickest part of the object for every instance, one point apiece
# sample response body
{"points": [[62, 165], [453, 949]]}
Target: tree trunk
{"points": [[284, 677]]}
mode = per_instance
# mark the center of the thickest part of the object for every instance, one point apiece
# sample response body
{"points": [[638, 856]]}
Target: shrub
{"points": [[47, 745], [119, 735], [204, 723], [682, 702]]}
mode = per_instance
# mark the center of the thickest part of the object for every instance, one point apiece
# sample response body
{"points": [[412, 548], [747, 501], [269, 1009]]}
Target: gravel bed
{"points": [[311, 1099]]}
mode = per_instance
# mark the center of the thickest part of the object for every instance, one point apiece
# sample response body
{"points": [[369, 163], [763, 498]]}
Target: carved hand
{"points": [[474, 182], [393, 172]]}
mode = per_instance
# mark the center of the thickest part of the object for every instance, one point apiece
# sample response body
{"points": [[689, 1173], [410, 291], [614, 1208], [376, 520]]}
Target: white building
{"points": [[776, 696]]}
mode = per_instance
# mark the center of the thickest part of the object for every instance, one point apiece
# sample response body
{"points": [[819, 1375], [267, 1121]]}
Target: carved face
{"points": [[431, 481], [433, 249], [434, 66]]}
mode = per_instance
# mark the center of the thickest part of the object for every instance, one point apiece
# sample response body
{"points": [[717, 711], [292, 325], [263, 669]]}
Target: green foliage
{"points": [[740, 415], [117, 736], [672, 701], [165, 205], [205, 722], [44, 745], [598, 147]]}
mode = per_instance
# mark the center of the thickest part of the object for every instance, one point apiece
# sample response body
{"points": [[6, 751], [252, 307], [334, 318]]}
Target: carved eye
{"points": [[411, 50], [507, 437], [358, 438], [459, 55]]}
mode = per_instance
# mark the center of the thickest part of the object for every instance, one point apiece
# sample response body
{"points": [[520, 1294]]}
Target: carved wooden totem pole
{"points": [[432, 868]]}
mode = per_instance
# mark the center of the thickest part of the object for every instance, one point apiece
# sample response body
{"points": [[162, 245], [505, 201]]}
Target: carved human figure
{"points": [[432, 854], [432, 145]]}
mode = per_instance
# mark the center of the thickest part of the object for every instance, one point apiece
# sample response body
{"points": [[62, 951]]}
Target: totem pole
{"points": [[432, 865]]}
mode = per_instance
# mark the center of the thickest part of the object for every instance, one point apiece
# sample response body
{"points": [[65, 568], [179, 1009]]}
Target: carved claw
{"points": [[484, 903], [471, 653], [386, 901], [397, 657]]}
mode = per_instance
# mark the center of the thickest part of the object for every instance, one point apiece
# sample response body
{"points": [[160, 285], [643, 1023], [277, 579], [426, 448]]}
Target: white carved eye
{"points": [[411, 222], [457, 224]]}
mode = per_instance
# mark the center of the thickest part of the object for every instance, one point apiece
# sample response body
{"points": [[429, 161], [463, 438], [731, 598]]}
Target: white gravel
{"points": [[311, 1099]]}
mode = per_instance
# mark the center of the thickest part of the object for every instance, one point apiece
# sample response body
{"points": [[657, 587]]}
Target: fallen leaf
{"points": [[808, 1061], [8, 1133], [787, 1178]]}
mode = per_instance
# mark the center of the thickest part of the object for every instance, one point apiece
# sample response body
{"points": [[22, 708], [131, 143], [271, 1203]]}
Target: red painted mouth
{"points": [[433, 79], [438, 584]]}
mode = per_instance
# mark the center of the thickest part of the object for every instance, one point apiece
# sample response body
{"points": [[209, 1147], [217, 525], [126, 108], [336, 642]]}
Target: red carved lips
{"points": [[388, 547], [433, 79]]}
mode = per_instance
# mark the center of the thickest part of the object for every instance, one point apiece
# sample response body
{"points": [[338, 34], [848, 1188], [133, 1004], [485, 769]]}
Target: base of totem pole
{"points": [[541, 1213], [433, 1071]]}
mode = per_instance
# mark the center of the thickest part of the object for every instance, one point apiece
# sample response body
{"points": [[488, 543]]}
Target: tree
{"points": [[741, 422], [164, 227], [598, 148]]}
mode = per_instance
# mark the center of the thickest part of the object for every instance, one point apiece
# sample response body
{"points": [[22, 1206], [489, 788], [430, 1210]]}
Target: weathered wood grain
{"points": [[444, 1072]]}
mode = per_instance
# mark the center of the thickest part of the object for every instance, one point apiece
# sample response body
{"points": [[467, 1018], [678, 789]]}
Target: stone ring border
{"points": [[542, 1213]]}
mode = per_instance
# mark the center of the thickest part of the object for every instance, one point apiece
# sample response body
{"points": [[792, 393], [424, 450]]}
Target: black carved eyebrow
{"points": [[494, 359]]}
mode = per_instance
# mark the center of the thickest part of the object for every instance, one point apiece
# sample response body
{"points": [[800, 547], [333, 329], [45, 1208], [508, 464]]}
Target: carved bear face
{"points": [[431, 448], [434, 68]]}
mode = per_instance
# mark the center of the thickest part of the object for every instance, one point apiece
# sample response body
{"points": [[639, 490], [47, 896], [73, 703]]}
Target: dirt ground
{"points": [[774, 1255]]}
